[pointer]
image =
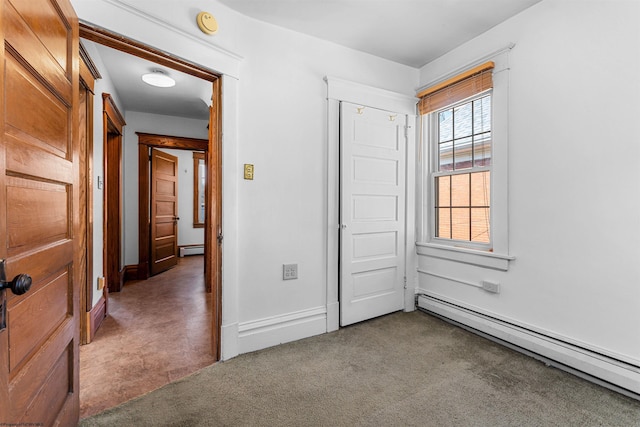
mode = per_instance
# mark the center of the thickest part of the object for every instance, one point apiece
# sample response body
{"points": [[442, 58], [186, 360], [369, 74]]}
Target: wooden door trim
{"points": [[146, 141], [88, 74], [112, 125], [213, 217], [141, 50], [214, 165]]}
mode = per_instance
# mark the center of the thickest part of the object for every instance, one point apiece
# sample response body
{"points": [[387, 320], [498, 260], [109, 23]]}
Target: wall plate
{"points": [[248, 171]]}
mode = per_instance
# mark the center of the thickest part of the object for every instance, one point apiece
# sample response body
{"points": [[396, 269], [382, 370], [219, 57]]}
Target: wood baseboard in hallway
{"points": [[157, 331]]}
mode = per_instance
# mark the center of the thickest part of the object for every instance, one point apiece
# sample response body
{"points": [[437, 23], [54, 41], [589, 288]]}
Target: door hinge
{"points": [[406, 131], [405, 282]]}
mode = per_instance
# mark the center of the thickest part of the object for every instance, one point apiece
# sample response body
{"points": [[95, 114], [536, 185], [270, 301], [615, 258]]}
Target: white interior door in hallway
{"points": [[372, 212]]}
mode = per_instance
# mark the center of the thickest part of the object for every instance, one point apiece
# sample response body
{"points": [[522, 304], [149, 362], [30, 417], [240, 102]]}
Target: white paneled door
{"points": [[372, 212]]}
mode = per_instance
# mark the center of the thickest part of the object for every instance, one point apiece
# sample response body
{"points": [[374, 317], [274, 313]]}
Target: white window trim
{"points": [[471, 253]]}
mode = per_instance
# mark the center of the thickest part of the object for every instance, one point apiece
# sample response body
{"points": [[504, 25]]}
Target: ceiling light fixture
{"points": [[158, 78]]}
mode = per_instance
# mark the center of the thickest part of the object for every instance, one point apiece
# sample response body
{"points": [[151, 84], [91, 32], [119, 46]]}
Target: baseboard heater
{"points": [[606, 371], [191, 250]]}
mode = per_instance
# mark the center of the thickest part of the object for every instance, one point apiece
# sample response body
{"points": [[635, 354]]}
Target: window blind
{"points": [[457, 88]]}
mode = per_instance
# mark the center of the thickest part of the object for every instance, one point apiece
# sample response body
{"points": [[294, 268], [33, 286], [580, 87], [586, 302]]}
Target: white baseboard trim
{"points": [[229, 341], [262, 333], [604, 370], [333, 316]]}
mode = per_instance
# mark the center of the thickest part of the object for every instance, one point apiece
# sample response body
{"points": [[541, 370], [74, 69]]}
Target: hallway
{"points": [[157, 331]]}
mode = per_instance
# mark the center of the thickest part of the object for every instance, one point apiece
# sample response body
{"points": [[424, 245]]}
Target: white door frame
{"points": [[342, 90]]}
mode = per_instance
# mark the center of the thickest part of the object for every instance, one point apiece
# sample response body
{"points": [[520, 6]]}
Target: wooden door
{"points": [[164, 211], [372, 205], [39, 225]]}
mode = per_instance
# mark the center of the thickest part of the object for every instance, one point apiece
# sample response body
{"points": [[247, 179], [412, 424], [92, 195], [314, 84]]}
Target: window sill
{"points": [[467, 256]]}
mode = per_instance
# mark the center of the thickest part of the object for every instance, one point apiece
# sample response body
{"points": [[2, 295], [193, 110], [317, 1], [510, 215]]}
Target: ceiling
{"points": [[189, 98], [411, 32]]}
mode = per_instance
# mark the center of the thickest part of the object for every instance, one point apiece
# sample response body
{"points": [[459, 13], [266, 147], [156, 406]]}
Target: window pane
{"points": [[460, 223], [445, 121], [480, 189], [462, 121], [443, 194], [462, 200], [443, 223], [462, 153], [480, 219], [445, 154], [460, 190], [482, 149], [482, 115]]}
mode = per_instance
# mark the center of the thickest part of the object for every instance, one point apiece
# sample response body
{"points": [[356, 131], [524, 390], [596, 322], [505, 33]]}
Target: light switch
{"points": [[248, 171]]}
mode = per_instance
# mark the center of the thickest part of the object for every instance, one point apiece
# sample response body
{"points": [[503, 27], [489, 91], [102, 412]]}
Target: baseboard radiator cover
{"points": [[190, 250], [608, 372]]}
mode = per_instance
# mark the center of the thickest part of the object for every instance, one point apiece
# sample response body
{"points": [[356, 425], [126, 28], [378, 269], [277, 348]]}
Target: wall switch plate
{"points": [[289, 271], [248, 171], [492, 287], [100, 283]]}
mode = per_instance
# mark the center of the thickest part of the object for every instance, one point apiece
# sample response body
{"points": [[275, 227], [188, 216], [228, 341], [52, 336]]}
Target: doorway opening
{"points": [[154, 257], [211, 147]]}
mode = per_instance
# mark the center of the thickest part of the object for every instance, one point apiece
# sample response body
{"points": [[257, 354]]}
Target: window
{"points": [[199, 183], [464, 190], [462, 173]]}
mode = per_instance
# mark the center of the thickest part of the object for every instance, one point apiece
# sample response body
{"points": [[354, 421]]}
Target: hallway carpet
{"points": [[405, 369]]}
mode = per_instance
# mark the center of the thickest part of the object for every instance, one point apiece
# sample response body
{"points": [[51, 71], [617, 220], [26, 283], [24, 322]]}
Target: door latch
{"points": [[19, 285]]}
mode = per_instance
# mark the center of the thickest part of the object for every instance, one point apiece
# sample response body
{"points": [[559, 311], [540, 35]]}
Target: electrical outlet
{"points": [[289, 271], [493, 287], [248, 171]]}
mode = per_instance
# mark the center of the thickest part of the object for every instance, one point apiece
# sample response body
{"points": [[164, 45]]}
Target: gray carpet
{"points": [[405, 369]]}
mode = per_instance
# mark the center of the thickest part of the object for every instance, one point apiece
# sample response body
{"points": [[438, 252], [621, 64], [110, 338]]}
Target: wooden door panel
{"points": [[164, 230], [21, 86], [53, 30], [165, 165], [51, 308], [24, 158], [51, 397], [164, 209], [165, 188], [30, 394], [36, 213], [42, 263], [39, 205], [26, 41], [164, 249]]}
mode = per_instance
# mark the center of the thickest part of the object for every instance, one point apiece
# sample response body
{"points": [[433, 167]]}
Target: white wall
{"points": [[574, 176], [187, 234], [162, 125], [275, 117]]}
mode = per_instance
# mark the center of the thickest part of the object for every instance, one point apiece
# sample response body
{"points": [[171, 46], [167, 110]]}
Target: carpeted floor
{"points": [[405, 369]]}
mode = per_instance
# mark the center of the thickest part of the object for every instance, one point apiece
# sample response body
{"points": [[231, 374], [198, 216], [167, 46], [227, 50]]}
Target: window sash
{"points": [[434, 173]]}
